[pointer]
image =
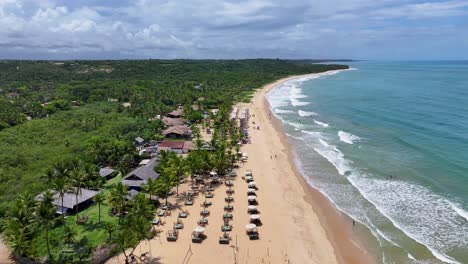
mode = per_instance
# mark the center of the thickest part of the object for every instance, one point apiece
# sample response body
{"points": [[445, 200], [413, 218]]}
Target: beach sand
{"points": [[299, 224], [4, 253]]}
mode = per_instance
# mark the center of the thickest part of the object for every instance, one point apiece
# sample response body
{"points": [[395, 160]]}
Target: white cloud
{"points": [[424, 10], [211, 28]]}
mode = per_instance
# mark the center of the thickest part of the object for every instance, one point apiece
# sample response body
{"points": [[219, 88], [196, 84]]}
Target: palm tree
{"points": [[49, 174], [151, 187], [117, 198], [140, 229], [45, 213], [18, 225], [110, 227], [78, 180], [166, 182], [60, 185], [16, 237], [140, 207], [123, 239], [179, 168], [69, 235], [99, 199]]}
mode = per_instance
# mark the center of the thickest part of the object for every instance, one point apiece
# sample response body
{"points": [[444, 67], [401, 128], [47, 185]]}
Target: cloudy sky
{"points": [[357, 29]]}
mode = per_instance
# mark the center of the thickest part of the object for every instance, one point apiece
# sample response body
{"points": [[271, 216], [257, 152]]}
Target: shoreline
{"points": [[349, 248], [298, 225]]}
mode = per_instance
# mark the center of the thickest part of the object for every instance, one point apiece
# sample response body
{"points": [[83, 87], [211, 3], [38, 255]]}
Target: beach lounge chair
{"points": [[253, 234], [203, 221], [178, 224], [229, 191], [188, 202], [183, 214], [206, 203], [228, 207], [171, 235], [161, 213], [204, 212], [197, 237], [227, 216], [156, 221], [224, 239], [226, 228], [209, 195], [229, 198]]}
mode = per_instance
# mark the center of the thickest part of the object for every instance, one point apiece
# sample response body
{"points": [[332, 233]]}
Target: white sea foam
{"points": [[282, 111], [334, 156], [297, 126], [306, 113], [426, 217], [320, 123], [295, 94], [290, 92], [419, 213], [382, 234], [411, 257], [347, 137], [312, 133], [459, 211]]}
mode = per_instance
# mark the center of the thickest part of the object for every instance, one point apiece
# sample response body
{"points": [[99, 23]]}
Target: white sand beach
{"points": [[299, 224]]}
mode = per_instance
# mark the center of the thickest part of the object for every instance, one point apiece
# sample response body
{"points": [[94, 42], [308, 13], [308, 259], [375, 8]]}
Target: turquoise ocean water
{"points": [[387, 143]]}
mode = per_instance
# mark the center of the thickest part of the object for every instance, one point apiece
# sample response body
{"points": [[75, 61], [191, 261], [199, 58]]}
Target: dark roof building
{"points": [[177, 132], [175, 114], [179, 147], [139, 141], [172, 144], [69, 200], [140, 175], [172, 121], [107, 172]]}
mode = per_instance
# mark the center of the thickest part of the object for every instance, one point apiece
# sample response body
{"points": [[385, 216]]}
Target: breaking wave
{"points": [[320, 123], [347, 137]]}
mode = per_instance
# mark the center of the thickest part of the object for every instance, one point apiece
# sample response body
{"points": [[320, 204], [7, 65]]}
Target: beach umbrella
{"points": [[199, 229], [251, 190], [252, 184], [249, 227], [251, 198], [255, 217]]}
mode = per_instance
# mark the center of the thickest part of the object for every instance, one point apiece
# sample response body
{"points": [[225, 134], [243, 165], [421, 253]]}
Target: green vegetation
{"points": [[80, 123]]}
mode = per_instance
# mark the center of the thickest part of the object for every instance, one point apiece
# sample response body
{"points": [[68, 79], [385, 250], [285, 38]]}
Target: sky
{"points": [[226, 29]]}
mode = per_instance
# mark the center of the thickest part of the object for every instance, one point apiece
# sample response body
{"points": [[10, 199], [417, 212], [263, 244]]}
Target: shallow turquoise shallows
{"points": [[387, 143]]}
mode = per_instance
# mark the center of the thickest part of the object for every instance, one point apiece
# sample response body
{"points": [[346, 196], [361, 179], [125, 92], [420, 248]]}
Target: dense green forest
{"points": [[88, 112], [75, 96]]}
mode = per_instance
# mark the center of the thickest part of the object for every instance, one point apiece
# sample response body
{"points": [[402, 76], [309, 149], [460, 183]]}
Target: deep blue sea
{"points": [[387, 143]]}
